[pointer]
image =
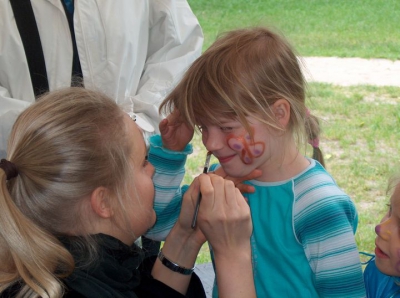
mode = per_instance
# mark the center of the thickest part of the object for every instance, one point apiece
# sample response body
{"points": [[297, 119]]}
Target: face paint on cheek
{"points": [[247, 148]]}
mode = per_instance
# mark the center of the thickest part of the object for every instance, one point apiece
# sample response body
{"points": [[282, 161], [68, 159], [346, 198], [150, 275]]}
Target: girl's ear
{"points": [[100, 202], [281, 109]]}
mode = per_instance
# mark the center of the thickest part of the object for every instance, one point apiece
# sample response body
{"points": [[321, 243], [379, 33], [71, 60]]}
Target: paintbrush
{"points": [[196, 210]]}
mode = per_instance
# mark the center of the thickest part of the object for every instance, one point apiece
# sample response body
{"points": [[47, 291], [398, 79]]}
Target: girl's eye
{"points": [[226, 128]]}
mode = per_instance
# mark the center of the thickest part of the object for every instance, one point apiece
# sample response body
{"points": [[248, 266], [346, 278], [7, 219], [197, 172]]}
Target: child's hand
{"points": [[175, 134], [244, 188]]}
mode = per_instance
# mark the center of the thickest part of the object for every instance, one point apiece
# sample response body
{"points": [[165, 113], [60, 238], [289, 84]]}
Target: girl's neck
{"points": [[290, 164]]}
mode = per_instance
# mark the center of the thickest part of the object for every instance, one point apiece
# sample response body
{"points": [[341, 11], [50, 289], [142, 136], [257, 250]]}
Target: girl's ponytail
{"points": [[313, 131]]}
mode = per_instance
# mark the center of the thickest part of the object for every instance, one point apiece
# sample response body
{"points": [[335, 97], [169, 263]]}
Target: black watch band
{"points": [[173, 266]]}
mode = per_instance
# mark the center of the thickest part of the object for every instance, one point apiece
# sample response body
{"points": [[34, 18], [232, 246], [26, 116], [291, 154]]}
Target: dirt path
{"points": [[352, 71]]}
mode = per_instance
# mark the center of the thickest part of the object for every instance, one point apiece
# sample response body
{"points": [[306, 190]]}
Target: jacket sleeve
{"points": [[16, 92], [150, 287], [325, 227], [169, 172], [10, 108], [175, 41]]}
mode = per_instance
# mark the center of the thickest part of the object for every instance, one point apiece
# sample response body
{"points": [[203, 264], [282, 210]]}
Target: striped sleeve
{"points": [[169, 172], [325, 220]]}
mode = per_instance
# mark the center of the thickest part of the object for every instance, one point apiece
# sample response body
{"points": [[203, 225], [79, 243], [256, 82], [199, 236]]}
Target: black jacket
{"points": [[119, 272]]}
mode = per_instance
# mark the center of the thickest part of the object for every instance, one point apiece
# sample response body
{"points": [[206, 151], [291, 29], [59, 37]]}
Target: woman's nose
{"points": [[383, 231]]}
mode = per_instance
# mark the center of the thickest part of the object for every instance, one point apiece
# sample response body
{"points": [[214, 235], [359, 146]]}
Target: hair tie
{"points": [[314, 142], [9, 168]]}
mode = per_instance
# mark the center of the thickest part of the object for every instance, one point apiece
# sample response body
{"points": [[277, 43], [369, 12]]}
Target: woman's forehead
{"points": [[135, 136]]}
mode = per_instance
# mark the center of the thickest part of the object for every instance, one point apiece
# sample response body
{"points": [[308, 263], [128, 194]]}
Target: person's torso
{"points": [[112, 41], [281, 268]]}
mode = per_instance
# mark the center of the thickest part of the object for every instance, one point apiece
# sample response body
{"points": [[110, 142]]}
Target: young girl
{"points": [[382, 274], [246, 94], [77, 191]]}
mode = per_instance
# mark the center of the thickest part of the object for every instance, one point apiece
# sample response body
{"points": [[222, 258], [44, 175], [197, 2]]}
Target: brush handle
{"points": [[196, 211]]}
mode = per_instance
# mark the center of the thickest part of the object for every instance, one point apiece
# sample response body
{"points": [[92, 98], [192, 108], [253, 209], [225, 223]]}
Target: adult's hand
{"points": [[244, 188], [224, 218], [224, 215]]}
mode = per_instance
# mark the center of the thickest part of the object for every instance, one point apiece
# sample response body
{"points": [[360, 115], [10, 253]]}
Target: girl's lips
{"points": [[224, 159], [380, 254]]}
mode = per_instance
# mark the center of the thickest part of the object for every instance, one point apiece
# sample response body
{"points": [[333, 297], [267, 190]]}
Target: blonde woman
{"points": [[77, 191]]}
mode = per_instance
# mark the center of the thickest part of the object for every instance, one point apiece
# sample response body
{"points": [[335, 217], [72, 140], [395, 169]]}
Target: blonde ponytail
{"points": [[28, 253]]}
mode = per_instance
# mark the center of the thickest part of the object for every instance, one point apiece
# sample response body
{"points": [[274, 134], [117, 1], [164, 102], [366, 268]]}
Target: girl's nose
{"points": [[213, 139]]}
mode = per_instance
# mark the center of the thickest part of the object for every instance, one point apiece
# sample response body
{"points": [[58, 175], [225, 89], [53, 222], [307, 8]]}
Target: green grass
{"points": [[361, 135], [343, 28]]}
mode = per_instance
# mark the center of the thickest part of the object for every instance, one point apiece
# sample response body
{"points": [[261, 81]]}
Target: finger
{"points": [[254, 174], [193, 190], [207, 190], [230, 194], [245, 188], [241, 200], [163, 126], [219, 192], [174, 117]]}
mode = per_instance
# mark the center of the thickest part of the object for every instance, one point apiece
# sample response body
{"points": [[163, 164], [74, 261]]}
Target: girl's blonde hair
{"points": [[244, 73], [64, 146]]}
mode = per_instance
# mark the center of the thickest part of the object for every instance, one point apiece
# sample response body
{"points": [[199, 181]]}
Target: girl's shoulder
{"points": [[315, 175], [315, 185]]}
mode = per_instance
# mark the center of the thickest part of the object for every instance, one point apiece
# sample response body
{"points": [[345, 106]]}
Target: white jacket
{"points": [[135, 49]]}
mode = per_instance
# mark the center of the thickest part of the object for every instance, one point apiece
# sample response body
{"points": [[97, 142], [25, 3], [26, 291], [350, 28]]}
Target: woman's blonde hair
{"points": [[64, 146], [244, 72]]}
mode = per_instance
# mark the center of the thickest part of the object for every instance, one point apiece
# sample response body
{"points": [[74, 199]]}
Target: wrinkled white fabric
{"points": [[129, 49]]}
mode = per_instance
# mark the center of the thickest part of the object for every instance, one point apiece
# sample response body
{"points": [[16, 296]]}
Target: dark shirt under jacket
{"points": [[120, 272]]}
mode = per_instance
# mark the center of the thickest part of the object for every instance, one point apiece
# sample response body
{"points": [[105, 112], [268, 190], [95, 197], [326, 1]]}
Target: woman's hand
{"points": [[175, 134], [224, 215], [244, 188], [224, 218]]}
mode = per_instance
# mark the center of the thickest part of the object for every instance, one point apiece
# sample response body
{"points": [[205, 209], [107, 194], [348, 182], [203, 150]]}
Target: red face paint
{"points": [[246, 146]]}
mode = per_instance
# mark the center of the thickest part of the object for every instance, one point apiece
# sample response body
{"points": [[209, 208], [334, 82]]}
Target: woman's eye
{"points": [[226, 128]]}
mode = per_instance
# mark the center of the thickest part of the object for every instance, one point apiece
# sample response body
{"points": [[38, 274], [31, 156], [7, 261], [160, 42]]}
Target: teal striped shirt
{"points": [[303, 229], [303, 241], [169, 171]]}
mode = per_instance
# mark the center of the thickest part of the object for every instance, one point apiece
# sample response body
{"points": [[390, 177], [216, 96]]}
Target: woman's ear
{"points": [[281, 109], [100, 202]]}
